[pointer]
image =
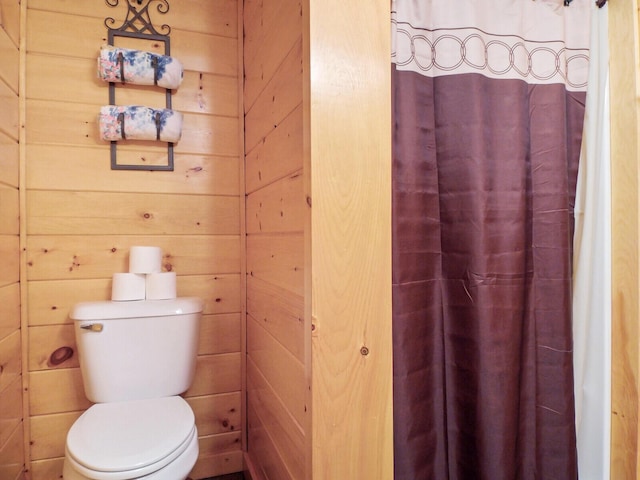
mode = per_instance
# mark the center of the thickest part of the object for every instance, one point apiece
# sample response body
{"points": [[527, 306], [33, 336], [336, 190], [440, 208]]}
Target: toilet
{"points": [[136, 358]]}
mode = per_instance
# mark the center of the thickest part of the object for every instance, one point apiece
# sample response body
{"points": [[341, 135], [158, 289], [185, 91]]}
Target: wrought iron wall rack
{"points": [[137, 24]]}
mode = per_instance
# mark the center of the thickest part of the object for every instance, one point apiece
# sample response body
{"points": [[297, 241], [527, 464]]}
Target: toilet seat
{"points": [[124, 440]]}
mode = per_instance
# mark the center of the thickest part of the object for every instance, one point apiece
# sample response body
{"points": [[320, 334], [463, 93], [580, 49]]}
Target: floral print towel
{"points": [[139, 123], [138, 67]]}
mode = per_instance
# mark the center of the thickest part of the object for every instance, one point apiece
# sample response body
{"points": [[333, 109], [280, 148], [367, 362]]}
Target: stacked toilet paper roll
{"points": [[160, 286], [144, 260], [145, 279], [127, 286]]}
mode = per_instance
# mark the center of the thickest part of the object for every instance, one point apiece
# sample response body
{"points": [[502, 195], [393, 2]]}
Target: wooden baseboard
{"points": [[250, 472]]}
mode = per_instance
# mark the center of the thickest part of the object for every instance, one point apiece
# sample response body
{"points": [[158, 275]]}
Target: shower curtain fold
{"points": [[484, 177], [592, 269]]}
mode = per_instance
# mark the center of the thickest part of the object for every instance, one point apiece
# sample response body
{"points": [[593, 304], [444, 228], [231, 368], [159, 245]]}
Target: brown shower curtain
{"points": [[487, 133]]}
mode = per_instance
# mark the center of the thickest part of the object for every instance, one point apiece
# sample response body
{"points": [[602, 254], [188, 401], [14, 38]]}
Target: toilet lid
{"points": [[116, 437]]}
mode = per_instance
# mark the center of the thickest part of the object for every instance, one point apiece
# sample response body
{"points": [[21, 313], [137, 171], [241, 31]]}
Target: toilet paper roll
{"points": [[127, 287], [161, 286], [145, 260]]}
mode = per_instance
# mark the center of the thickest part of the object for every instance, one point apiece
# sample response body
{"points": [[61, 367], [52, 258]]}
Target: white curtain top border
{"points": [[556, 51]]}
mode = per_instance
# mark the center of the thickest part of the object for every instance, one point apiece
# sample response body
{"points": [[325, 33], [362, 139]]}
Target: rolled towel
{"points": [[139, 123], [117, 64]]}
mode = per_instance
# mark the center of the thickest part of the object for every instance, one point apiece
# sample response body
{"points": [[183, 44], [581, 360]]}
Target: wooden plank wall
{"points": [[349, 125], [82, 217], [625, 90], [11, 412], [277, 381]]}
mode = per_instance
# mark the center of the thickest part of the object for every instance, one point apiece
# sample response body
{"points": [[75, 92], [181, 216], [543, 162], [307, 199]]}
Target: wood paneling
{"points": [[217, 413], [76, 124], [9, 157], [265, 457], [56, 391], [9, 248], [48, 34], [50, 301], [216, 374], [49, 468], [10, 409], [194, 95], [10, 204], [10, 312], [9, 120], [219, 17], [285, 433], [64, 155], [625, 403], [219, 455], [277, 207], [276, 212], [12, 456], [10, 19], [69, 256], [85, 170], [281, 370], [281, 95], [278, 155], [280, 312], [349, 139], [221, 293], [81, 217], [50, 345], [88, 213], [49, 434], [10, 359], [220, 334], [11, 348], [278, 259], [9, 59], [270, 28]]}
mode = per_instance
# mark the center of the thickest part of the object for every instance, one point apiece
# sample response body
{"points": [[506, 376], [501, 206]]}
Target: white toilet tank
{"points": [[137, 350]]}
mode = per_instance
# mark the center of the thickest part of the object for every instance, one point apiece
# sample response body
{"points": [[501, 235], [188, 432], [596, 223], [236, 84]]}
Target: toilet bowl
{"points": [[136, 358], [152, 439]]}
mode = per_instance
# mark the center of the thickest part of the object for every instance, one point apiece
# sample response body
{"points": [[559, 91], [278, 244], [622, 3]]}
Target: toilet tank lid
{"points": [[105, 310]]}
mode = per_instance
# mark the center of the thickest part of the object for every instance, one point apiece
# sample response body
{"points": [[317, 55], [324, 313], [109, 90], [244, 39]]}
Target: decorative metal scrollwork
{"points": [[138, 18]]}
